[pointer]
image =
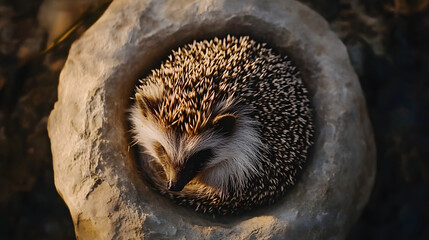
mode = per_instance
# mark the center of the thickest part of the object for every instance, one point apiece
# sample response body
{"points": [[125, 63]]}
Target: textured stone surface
{"points": [[94, 168]]}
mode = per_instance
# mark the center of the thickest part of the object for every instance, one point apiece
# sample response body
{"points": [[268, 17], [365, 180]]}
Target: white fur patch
{"points": [[236, 158]]}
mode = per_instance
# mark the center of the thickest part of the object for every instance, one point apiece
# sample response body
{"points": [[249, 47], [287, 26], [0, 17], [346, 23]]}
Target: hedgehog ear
{"points": [[225, 124], [146, 105]]}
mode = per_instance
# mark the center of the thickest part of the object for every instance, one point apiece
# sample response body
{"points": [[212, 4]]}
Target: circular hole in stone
{"points": [[152, 105]]}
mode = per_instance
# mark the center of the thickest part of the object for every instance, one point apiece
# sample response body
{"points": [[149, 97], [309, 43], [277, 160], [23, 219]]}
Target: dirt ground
{"points": [[387, 41]]}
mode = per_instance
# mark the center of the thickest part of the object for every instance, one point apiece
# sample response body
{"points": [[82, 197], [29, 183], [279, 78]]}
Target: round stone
{"points": [[96, 172]]}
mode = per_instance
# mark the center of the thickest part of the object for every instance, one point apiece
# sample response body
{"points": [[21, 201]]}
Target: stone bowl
{"points": [[95, 168]]}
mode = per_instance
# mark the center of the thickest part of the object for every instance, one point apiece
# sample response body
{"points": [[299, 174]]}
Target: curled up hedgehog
{"points": [[223, 126]]}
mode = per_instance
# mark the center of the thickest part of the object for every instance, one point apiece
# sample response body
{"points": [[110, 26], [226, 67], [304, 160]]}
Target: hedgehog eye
{"points": [[160, 151], [161, 148]]}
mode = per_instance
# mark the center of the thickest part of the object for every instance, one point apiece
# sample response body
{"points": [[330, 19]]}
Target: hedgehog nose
{"points": [[173, 186]]}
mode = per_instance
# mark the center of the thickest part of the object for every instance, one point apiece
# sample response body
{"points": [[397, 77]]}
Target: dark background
{"points": [[388, 43]]}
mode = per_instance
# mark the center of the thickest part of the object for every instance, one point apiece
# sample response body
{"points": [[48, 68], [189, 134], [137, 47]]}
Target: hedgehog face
{"points": [[222, 154]]}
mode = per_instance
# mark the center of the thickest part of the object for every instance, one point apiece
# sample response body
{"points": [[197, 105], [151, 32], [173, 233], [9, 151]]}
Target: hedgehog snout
{"points": [[173, 186], [192, 166], [181, 177]]}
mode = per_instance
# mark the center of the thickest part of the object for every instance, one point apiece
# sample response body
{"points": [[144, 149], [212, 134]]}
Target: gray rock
{"points": [[95, 170]]}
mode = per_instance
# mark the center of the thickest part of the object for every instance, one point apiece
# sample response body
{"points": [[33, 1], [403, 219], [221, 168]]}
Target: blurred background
{"points": [[388, 44]]}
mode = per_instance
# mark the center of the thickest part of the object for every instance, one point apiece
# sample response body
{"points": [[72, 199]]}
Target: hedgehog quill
{"points": [[223, 126]]}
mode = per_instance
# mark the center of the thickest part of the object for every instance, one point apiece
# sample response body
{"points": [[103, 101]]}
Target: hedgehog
{"points": [[222, 126]]}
